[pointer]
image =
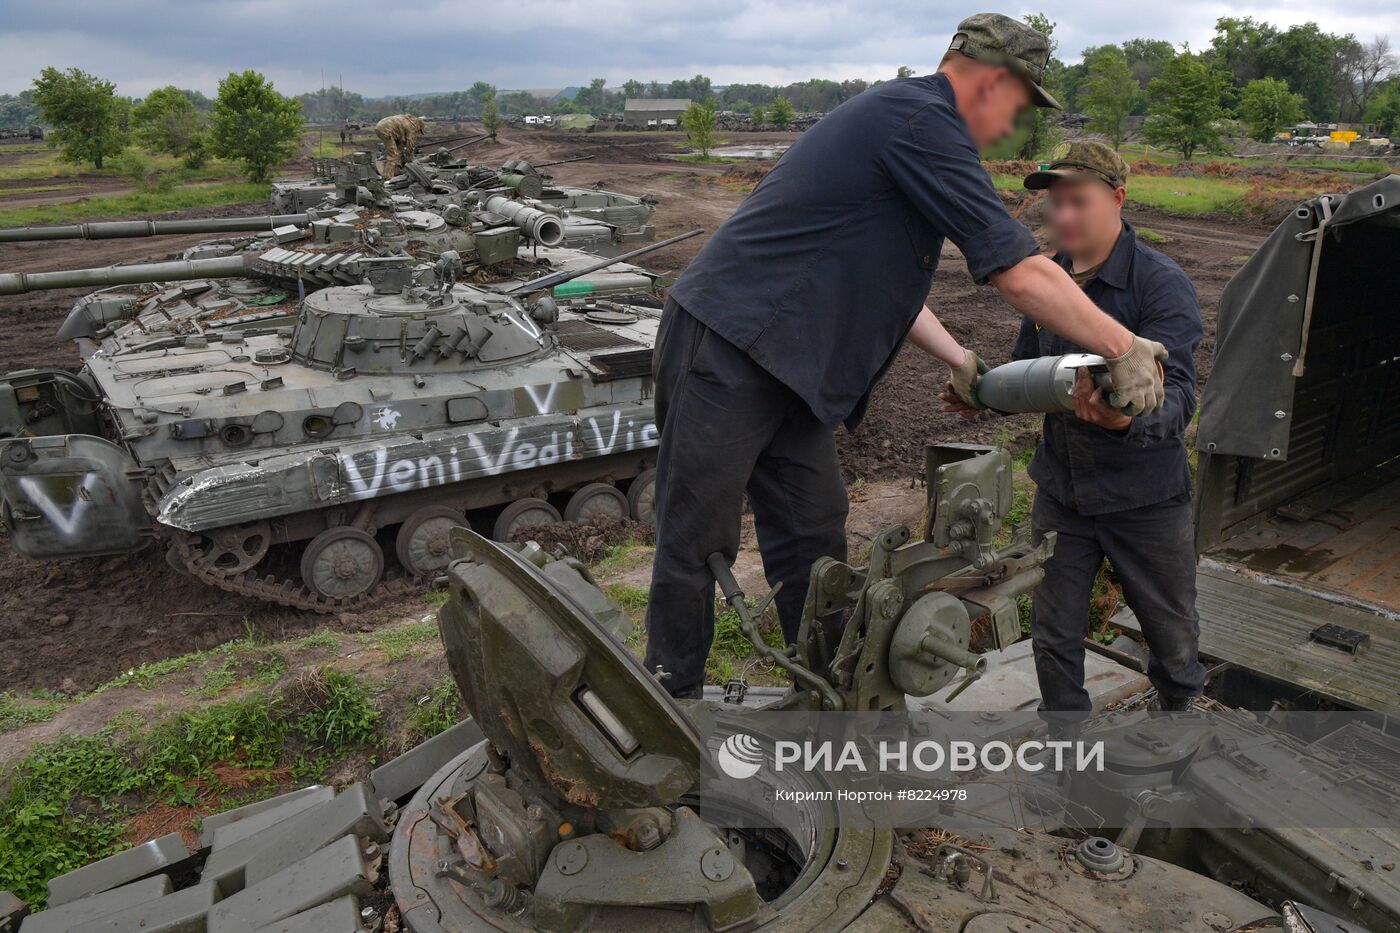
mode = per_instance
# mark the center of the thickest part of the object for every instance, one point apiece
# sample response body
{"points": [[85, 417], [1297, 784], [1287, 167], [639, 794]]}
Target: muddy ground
{"points": [[73, 624]]}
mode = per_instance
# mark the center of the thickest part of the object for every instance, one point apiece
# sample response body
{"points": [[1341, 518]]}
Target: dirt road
{"points": [[81, 622]]}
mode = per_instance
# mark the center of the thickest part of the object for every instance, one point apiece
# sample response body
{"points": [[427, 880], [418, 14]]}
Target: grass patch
{"points": [[1190, 196], [136, 203], [1023, 612], [437, 711], [399, 643], [45, 163], [16, 713], [626, 556], [322, 639], [632, 599], [147, 674], [1152, 236], [1022, 500], [697, 157], [68, 802], [1331, 164], [53, 820], [236, 671], [341, 715], [730, 641]]}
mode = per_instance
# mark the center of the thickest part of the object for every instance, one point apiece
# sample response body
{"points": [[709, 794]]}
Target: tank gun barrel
{"points": [[122, 229], [582, 158], [19, 283], [470, 141], [554, 279], [544, 229]]}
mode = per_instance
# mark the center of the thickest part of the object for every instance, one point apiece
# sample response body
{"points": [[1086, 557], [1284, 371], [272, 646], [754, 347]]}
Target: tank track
{"points": [[282, 591]]}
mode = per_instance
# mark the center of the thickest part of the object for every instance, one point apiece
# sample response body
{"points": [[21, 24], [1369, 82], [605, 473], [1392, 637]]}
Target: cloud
{"points": [[441, 45]]}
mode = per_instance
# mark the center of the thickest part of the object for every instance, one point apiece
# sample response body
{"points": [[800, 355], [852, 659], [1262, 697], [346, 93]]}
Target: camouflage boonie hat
{"points": [[1079, 160], [1001, 40]]}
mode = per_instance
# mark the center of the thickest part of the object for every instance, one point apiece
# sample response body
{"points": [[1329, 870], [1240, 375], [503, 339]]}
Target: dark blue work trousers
{"points": [[1154, 558], [729, 427]]}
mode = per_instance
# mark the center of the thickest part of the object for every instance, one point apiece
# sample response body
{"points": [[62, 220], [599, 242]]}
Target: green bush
{"points": [[60, 812], [438, 711], [142, 171], [341, 715]]}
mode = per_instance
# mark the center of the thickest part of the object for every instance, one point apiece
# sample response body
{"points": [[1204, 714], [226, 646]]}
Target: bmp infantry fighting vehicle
{"points": [[387, 410], [298, 253], [599, 221], [580, 796]]}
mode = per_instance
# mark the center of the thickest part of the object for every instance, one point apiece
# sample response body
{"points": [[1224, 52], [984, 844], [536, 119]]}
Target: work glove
{"points": [[965, 377], [1137, 377]]}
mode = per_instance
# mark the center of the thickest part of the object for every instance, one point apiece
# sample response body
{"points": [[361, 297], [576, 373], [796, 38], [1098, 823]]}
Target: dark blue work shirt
{"points": [[1093, 469], [820, 273]]}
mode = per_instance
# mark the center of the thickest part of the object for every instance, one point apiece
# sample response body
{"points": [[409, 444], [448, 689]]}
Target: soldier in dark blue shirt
{"points": [[795, 308], [1110, 484]]}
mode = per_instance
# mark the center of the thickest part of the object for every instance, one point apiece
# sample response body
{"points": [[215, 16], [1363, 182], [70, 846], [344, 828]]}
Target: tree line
{"points": [[1267, 78], [818, 95], [248, 121]]}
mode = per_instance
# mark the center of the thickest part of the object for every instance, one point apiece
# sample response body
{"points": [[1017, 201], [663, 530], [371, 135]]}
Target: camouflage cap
{"points": [[1001, 40], [1079, 160]]}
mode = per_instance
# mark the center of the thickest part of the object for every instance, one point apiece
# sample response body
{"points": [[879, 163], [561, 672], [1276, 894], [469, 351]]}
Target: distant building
{"points": [[653, 111]]}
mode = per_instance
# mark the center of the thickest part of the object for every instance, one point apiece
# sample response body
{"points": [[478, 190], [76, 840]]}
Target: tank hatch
{"points": [[557, 696]]}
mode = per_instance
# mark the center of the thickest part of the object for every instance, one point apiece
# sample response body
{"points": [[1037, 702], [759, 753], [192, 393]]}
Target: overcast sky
{"points": [[381, 48]]}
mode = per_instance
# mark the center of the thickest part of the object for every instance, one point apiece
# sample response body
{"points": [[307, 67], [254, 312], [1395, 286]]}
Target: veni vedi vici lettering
{"points": [[377, 472]]}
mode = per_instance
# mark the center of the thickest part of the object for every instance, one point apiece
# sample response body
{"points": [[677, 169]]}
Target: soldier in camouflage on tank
{"points": [[399, 134]]}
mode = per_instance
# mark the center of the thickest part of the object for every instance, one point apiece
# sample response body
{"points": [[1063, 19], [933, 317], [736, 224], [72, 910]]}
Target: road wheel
{"points": [[596, 504], [641, 496], [342, 563], [423, 542], [523, 513]]}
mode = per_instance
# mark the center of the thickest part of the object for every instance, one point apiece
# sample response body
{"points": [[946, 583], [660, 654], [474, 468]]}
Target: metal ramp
{"points": [[1314, 640]]}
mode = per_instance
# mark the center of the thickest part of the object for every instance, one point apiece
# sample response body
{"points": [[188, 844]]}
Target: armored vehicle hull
{"points": [[1298, 494], [365, 419]]}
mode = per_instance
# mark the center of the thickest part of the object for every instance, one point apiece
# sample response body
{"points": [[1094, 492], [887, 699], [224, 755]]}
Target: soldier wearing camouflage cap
{"points": [[797, 306], [1081, 160], [994, 39], [1112, 484]]}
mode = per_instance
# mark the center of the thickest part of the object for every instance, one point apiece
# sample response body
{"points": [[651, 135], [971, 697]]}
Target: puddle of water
{"points": [[749, 152], [1280, 558]]}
